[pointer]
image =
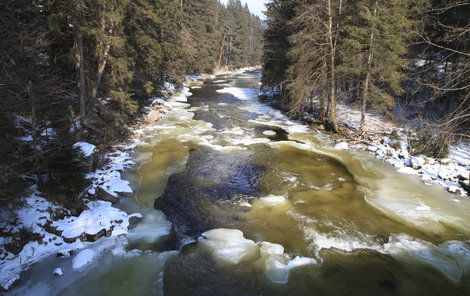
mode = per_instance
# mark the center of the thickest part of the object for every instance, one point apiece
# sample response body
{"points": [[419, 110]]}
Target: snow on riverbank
{"points": [[35, 228], [52, 236], [451, 173], [448, 173], [101, 227]]}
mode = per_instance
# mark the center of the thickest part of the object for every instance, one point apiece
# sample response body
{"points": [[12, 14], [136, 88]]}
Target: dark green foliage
{"points": [[81, 69], [216, 36], [276, 41], [429, 144]]}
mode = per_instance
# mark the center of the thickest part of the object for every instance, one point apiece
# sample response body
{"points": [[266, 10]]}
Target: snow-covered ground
{"points": [[100, 228], [449, 172]]}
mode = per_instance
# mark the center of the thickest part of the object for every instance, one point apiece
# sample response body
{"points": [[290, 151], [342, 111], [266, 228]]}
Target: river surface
{"points": [[225, 160]]}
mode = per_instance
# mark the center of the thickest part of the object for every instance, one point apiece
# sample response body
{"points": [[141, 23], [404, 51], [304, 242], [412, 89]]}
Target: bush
{"points": [[430, 144]]}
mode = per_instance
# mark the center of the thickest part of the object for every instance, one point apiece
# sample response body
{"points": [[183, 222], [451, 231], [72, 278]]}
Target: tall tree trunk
{"points": [[102, 62], [80, 67], [365, 88], [221, 53], [99, 73], [331, 69], [324, 95]]}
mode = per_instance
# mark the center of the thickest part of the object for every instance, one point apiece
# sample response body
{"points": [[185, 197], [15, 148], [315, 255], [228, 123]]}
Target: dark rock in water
{"points": [[102, 194], [465, 186], [94, 237], [133, 221], [193, 198]]}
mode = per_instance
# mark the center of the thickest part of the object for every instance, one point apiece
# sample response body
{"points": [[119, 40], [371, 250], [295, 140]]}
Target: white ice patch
{"points": [[243, 94], [273, 199], [58, 271], [452, 259], [152, 227], [83, 258], [342, 146], [269, 133], [228, 246]]}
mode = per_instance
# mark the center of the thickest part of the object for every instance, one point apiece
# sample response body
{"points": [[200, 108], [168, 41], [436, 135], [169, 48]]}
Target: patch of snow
{"points": [[83, 258], [86, 148], [341, 146]]}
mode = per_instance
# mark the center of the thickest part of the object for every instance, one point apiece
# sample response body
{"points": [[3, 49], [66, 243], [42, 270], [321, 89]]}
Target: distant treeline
{"points": [[373, 54], [81, 69]]}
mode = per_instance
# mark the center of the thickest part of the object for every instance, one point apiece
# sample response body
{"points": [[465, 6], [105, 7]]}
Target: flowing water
{"points": [[224, 160]]}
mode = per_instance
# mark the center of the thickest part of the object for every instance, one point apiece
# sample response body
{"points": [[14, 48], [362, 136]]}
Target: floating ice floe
{"points": [[269, 133], [229, 246]]}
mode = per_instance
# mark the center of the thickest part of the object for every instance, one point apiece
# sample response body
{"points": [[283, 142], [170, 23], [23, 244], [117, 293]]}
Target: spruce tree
{"points": [[373, 50]]}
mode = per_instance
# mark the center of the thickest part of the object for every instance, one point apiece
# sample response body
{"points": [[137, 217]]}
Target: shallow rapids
{"points": [[246, 166], [261, 205]]}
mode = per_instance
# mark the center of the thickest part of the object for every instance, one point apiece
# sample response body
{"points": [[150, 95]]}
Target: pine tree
{"points": [[376, 31], [276, 42]]}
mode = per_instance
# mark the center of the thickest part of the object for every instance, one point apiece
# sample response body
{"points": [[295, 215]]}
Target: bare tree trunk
{"points": [[365, 89], [99, 73], [331, 69], [80, 67], [102, 62], [35, 133], [221, 53], [324, 95]]}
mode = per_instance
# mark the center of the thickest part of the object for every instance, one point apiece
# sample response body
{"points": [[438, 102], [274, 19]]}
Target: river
{"points": [[224, 160]]}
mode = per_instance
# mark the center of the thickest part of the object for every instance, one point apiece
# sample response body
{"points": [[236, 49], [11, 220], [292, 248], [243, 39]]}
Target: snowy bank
{"points": [[54, 237]]}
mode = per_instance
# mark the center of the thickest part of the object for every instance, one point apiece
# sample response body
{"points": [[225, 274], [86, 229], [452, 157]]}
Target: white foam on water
{"points": [[274, 199]]}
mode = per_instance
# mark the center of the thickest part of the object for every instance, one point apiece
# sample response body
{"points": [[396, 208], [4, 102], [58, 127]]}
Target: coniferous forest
{"points": [[83, 69], [378, 54]]}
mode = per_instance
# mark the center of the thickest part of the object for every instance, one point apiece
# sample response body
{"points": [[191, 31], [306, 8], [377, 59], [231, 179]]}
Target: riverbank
{"points": [[391, 144], [35, 228], [248, 167]]}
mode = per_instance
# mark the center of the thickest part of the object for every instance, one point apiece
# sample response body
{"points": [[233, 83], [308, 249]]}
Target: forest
{"points": [[373, 54], [84, 69]]}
